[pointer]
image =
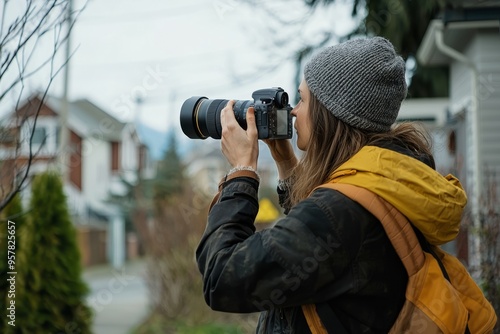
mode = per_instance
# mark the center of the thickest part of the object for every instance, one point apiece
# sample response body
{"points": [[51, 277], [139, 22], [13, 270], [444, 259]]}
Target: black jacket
{"points": [[328, 250]]}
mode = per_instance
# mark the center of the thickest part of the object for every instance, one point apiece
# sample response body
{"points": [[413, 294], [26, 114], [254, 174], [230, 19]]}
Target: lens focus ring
{"points": [[212, 120]]}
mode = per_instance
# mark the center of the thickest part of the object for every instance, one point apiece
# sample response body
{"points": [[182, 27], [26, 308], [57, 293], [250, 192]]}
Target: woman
{"points": [[328, 250]]}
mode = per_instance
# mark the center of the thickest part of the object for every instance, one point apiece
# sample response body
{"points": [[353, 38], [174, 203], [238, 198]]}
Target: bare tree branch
{"points": [[38, 31], [19, 44], [284, 23]]}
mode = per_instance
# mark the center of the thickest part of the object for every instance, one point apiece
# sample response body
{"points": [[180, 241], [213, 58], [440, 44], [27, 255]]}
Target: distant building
{"points": [[101, 154], [206, 165], [468, 41], [432, 114]]}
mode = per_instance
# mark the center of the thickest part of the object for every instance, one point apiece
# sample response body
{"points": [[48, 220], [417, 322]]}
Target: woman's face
{"points": [[301, 113]]}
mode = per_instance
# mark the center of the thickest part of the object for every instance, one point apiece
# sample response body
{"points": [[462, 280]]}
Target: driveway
{"points": [[118, 298]]}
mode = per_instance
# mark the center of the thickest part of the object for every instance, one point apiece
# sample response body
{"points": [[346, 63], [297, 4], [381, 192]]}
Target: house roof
{"points": [[85, 118], [432, 111], [455, 29], [96, 120]]}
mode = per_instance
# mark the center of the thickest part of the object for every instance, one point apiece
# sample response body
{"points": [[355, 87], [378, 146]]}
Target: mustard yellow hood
{"points": [[432, 202]]}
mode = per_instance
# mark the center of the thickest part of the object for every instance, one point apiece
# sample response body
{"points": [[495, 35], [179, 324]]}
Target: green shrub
{"points": [[51, 293]]}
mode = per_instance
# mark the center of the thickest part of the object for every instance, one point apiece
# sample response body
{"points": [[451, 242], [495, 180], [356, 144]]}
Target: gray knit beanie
{"points": [[361, 82]]}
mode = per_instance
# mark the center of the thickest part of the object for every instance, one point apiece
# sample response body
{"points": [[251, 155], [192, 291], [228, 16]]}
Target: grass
{"points": [[157, 324], [210, 329]]}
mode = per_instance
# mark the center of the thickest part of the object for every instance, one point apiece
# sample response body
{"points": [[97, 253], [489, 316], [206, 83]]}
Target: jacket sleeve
{"points": [[295, 262]]}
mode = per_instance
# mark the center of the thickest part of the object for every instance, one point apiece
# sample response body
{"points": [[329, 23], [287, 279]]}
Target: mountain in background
{"points": [[156, 141]]}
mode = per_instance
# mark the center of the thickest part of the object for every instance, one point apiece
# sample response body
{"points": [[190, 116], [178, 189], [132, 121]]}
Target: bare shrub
{"points": [[174, 281], [485, 226]]}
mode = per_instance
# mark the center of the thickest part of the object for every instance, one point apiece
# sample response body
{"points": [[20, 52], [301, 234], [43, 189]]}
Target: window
{"points": [[39, 136], [58, 135], [115, 156]]}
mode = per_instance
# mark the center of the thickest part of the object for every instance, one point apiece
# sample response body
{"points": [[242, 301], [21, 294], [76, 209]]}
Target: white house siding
{"points": [[96, 170], [483, 51], [75, 200], [461, 108], [460, 87], [488, 99], [129, 151]]}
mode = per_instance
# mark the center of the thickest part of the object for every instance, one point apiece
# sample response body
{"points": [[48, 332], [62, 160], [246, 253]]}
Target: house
{"points": [[468, 41], [431, 113], [101, 156], [206, 165]]}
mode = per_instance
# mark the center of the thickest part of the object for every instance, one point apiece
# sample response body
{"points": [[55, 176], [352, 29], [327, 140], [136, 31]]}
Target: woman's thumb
{"points": [[251, 126]]}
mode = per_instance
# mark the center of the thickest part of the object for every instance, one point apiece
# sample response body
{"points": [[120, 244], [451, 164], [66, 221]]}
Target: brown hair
{"points": [[333, 142]]}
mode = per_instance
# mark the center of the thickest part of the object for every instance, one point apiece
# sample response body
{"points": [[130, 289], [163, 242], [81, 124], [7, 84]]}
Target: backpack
{"points": [[441, 296]]}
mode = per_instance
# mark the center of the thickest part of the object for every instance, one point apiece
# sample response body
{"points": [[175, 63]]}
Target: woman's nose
{"points": [[294, 112]]}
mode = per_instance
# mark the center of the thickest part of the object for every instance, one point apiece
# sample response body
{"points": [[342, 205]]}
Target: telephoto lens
{"points": [[200, 117]]}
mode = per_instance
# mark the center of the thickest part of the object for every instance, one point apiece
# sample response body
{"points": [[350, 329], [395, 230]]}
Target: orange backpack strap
{"points": [[313, 319], [467, 308], [397, 228], [395, 224]]}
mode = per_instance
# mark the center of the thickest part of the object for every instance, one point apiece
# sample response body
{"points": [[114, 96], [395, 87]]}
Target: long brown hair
{"points": [[333, 142]]}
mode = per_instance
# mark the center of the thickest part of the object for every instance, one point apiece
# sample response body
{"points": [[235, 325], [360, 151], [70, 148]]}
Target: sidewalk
{"points": [[118, 298]]}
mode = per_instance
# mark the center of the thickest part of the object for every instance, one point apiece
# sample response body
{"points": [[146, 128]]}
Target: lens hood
{"points": [[189, 117]]}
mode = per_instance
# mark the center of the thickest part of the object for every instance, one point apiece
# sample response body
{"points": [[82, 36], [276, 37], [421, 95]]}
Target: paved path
{"points": [[119, 298]]}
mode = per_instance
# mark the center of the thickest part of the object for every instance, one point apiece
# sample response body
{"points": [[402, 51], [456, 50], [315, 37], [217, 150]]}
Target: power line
{"points": [[143, 16], [169, 60]]}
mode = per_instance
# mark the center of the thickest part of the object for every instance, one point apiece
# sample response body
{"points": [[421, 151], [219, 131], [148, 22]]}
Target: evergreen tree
{"points": [[170, 175], [51, 292], [13, 212], [403, 22]]}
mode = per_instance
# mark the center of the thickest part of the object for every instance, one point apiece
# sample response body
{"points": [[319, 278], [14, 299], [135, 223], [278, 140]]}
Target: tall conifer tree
{"points": [[170, 176], [51, 292]]}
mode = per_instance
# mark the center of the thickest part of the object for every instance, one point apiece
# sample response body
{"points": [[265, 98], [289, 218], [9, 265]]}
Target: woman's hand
{"points": [[281, 149], [240, 147], [284, 156]]}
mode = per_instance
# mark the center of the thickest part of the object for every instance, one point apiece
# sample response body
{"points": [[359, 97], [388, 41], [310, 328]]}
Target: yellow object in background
{"points": [[267, 212]]}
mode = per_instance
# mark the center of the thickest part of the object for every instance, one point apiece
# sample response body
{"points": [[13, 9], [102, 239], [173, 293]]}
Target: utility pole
{"points": [[64, 138]]}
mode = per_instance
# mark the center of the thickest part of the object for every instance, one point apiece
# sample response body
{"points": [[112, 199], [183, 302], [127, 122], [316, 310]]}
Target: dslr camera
{"points": [[200, 117]]}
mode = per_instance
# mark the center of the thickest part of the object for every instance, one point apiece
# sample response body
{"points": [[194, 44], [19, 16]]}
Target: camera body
{"points": [[200, 117], [272, 113]]}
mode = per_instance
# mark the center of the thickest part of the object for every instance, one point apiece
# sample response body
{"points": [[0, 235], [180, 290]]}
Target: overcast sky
{"points": [[168, 51], [162, 51]]}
